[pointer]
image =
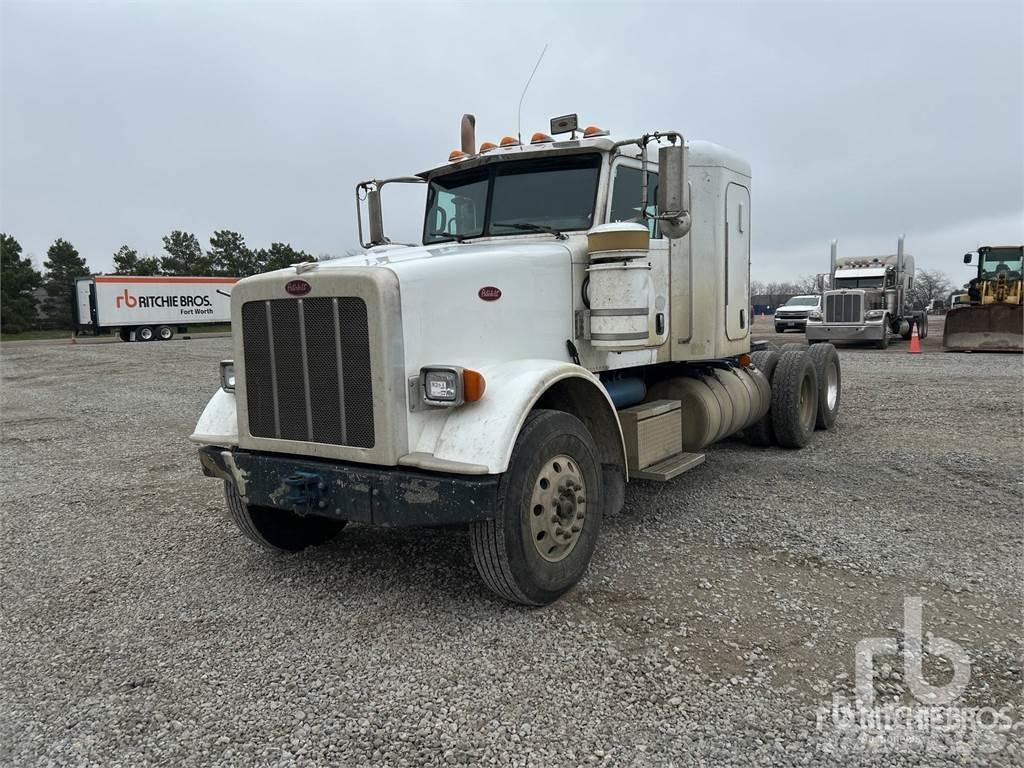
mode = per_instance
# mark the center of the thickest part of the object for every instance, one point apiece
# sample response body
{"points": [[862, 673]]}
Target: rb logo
{"points": [[129, 300]]}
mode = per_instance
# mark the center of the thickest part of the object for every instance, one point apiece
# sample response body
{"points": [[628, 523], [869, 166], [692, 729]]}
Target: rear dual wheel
{"points": [[794, 408], [550, 504]]}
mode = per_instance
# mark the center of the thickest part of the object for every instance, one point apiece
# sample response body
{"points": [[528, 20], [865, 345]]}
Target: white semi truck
{"points": [[150, 308], [870, 301], [576, 317]]}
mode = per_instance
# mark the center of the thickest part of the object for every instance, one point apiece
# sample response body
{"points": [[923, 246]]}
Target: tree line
{"points": [[929, 286], [21, 308]]}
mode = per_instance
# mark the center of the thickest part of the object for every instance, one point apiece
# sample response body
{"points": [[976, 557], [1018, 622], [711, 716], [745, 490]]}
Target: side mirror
{"points": [[967, 258], [376, 216], [673, 208]]}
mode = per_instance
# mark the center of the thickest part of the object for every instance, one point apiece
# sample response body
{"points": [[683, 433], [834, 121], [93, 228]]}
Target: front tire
{"points": [[883, 343], [278, 529], [548, 516]]}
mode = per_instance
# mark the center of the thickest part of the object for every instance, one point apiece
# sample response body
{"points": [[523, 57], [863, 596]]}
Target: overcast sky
{"points": [[124, 121]]}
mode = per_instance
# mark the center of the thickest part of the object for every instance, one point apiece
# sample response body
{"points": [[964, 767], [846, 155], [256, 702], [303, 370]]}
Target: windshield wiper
{"points": [[529, 227], [447, 236]]}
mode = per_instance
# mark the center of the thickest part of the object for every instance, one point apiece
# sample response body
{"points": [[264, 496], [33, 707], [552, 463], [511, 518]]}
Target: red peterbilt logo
{"points": [[489, 293], [297, 287]]}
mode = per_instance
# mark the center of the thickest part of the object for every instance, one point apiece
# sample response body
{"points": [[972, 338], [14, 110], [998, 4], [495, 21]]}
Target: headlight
{"points": [[227, 375], [874, 314], [445, 386], [814, 315]]}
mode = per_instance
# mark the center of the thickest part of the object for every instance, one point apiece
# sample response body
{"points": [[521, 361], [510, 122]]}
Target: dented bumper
{"points": [[354, 492]]}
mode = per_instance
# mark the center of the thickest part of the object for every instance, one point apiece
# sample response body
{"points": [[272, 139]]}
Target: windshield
{"points": [[549, 194], [802, 301], [859, 282], [996, 260]]}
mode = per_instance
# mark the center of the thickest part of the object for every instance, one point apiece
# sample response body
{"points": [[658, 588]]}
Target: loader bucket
{"points": [[985, 328]]}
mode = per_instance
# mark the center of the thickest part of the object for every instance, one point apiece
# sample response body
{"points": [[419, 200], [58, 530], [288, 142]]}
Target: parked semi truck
{"points": [[149, 308], [869, 301], [576, 317]]}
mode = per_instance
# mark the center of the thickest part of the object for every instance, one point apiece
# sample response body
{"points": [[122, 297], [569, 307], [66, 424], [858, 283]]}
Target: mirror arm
{"points": [[370, 192]]}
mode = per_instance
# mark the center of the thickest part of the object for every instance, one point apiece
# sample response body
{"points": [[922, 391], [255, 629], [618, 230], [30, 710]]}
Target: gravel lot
{"points": [[720, 613]]}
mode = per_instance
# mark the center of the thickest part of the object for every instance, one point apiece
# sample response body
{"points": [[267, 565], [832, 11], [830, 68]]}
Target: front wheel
{"points": [[883, 343], [548, 516], [278, 529]]}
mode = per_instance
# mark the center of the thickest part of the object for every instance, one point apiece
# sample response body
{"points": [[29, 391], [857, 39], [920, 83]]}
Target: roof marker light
{"points": [[509, 141], [592, 131], [457, 154], [487, 146], [540, 138]]}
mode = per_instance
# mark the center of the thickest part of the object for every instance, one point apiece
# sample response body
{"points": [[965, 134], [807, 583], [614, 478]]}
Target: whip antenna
{"points": [[519, 114]]}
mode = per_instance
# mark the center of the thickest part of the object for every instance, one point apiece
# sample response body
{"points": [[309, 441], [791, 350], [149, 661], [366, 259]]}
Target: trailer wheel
{"points": [[124, 334], [830, 384], [145, 333], [760, 433], [165, 333], [548, 516], [794, 399], [278, 529]]}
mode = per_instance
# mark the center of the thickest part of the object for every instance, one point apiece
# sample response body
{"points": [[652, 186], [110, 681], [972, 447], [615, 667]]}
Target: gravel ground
{"points": [[716, 625]]}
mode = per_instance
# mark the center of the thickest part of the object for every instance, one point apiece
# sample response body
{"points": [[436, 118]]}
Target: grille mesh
{"points": [[298, 386], [843, 308]]}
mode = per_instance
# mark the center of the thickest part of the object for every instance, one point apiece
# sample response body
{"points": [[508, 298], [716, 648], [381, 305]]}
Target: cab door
{"points": [[737, 262]]}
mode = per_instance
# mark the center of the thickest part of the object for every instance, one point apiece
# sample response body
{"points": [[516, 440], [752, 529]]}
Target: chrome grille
{"points": [[843, 308], [307, 370]]}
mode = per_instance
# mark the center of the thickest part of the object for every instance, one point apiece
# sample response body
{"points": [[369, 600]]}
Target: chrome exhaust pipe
{"points": [[469, 134]]}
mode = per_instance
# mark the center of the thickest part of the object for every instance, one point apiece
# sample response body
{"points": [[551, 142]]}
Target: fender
{"points": [[218, 425], [477, 438]]}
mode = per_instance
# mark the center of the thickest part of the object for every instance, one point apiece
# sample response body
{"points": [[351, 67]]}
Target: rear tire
{"points": [[145, 333], [830, 384], [278, 529], [794, 399], [520, 554], [793, 346], [760, 433], [165, 333]]}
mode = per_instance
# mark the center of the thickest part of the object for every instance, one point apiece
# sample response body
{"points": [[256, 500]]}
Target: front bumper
{"points": [[341, 491], [790, 322], [851, 333]]}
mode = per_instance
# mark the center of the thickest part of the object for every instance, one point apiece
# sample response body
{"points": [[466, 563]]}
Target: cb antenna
{"points": [[519, 114]]}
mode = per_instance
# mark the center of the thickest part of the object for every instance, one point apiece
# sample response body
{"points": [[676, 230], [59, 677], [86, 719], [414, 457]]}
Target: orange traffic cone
{"points": [[915, 341]]}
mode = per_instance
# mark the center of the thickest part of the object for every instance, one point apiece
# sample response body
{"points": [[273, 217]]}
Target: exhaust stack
{"points": [[469, 134], [832, 264], [899, 256]]}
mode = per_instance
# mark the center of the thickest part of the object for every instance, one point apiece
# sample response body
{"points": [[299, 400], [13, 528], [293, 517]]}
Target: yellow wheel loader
{"points": [[993, 321]]}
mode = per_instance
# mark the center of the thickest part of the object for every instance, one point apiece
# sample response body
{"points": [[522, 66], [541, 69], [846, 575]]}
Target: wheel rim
{"points": [[558, 508], [831, 385], [145, 334], [807, 414], [165, 333]]}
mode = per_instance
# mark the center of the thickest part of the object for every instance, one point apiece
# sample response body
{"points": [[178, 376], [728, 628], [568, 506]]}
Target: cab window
{"points": [[627, 194]]}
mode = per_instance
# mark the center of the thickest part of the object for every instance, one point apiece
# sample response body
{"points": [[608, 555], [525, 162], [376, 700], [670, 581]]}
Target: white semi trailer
{"points": [[576, 317], [150, 308]]}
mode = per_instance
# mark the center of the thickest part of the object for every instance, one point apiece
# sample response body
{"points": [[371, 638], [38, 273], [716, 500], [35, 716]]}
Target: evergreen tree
{"points": [[279, 256], [229, 255], [184, 255], [18, 281], [63, 265], [127, 262]]}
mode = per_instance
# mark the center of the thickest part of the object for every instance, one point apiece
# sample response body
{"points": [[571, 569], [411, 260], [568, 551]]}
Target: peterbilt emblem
{"points": [[297, 287], [489, 293]]}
